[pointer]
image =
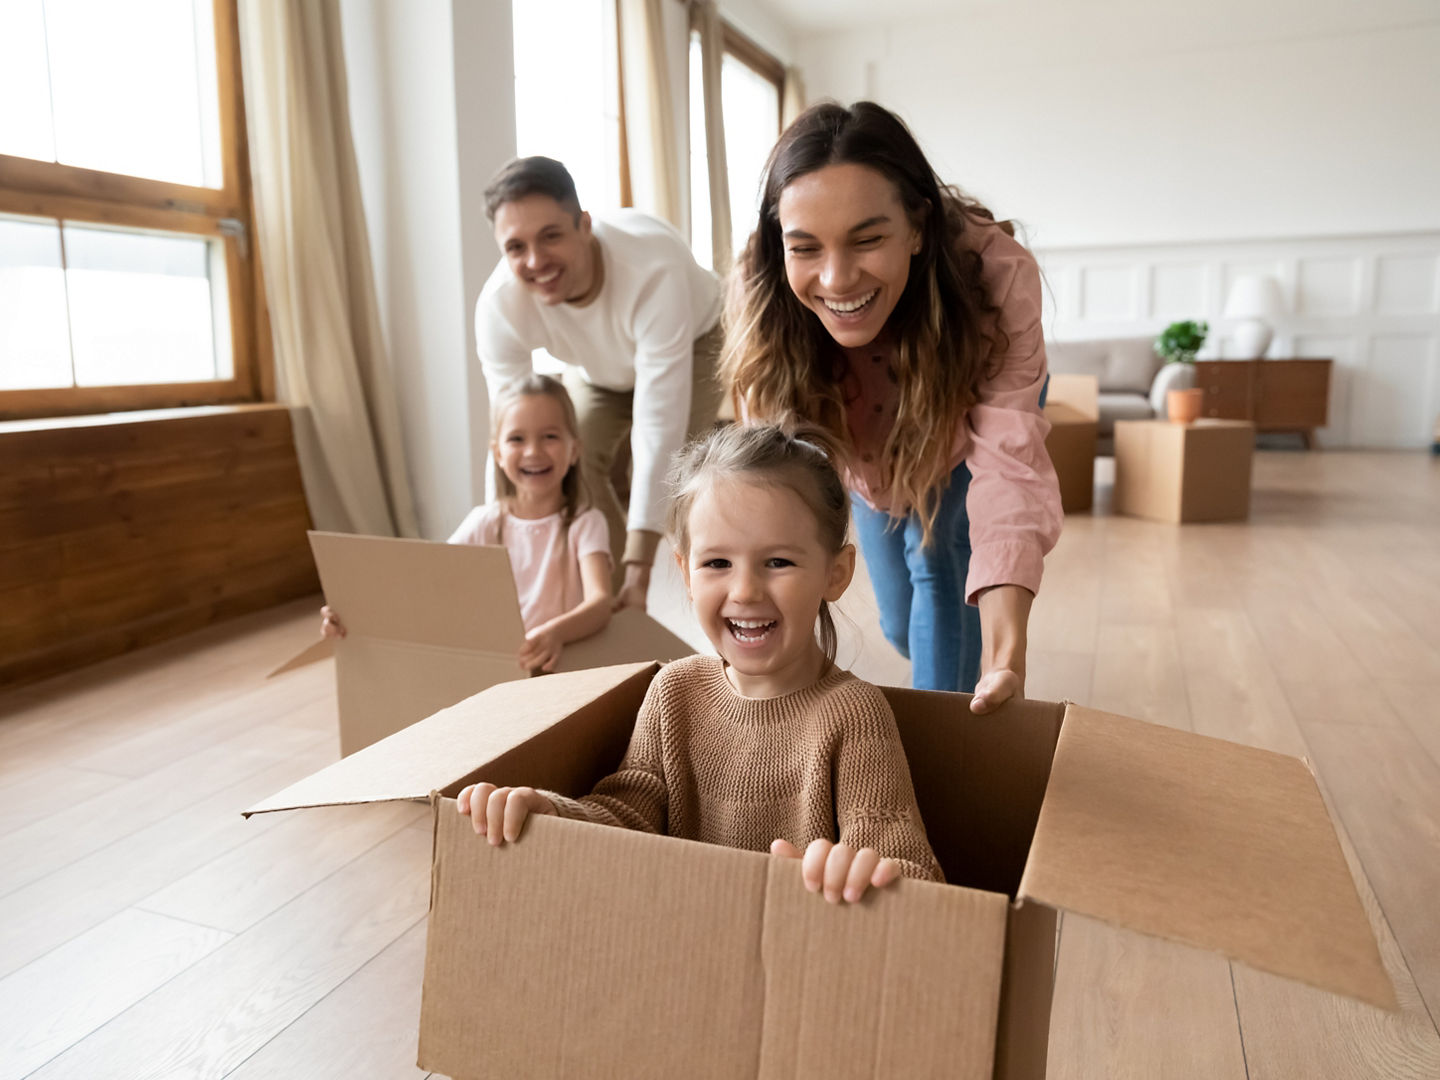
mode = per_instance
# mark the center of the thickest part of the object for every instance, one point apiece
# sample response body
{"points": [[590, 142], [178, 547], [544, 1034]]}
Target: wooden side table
{"points": [[1275, 395], [1183, 472]]}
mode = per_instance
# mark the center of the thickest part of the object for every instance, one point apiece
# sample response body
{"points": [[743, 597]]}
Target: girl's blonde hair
{"points": [[572, 487], [800, 459], [780, 363]]}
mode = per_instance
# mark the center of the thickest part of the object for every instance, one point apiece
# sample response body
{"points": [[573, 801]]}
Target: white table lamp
{"points": [[1254, 300]]}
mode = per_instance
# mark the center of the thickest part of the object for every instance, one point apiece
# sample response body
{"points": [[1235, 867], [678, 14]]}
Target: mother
{"points": [[896, 313]]}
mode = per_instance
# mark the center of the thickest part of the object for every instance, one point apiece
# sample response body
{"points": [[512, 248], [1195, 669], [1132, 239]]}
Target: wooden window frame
{"points": [[66, 193], [760, 61]]}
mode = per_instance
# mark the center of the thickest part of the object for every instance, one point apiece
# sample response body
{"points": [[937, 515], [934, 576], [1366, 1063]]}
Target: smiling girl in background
{"points": [[770, 746], [559, 546]]}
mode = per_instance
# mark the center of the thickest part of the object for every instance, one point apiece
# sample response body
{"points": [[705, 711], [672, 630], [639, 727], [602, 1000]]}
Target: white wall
{"points": [[432, 106], [1151, 152], [760, 23], [1127, 122], [1371, 303]]}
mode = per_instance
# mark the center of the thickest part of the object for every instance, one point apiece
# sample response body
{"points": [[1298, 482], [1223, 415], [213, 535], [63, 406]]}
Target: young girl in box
{"points": [[559, 545], [771, 746]]}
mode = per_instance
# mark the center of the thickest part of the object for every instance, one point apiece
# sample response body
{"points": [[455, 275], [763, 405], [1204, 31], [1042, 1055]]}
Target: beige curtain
{"points": [[330, 359], [792, 97], [705, 17], [649, 97]]}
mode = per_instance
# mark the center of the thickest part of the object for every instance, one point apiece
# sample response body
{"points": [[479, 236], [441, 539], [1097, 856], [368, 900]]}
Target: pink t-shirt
{"points": [[547, 575], [1014, 497]]}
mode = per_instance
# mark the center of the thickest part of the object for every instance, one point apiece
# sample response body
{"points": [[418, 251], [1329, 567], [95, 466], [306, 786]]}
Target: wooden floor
{"points": [[146, 930]]}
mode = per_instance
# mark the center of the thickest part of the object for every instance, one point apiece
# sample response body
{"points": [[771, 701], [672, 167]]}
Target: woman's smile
{"points": [[848, 246]]}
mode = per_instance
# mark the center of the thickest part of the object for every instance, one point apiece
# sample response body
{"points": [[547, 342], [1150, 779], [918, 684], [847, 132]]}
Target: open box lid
{"points": [[444, 751], [456, 596], [407, 590], [461, 596], [1203, 842]]}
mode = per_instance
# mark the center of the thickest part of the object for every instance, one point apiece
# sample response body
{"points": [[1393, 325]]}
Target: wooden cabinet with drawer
{"points": [[1275, 395]]}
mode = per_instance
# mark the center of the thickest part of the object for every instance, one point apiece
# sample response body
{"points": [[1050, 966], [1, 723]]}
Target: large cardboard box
{"points": [[587, 951], [1183, 472], [430, 624], [1072, 405]]}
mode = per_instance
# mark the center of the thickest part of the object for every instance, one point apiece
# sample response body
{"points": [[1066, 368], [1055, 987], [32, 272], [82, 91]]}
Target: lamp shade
{"points": [[1254, 296]]}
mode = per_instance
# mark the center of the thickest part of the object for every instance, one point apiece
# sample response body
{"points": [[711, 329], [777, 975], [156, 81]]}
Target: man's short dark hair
{"points": [[528, 176]]}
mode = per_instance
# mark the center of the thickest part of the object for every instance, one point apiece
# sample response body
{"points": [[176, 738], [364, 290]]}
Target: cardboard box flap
{"points": [[1203, 842], [632, 635], [442, 751], [312, 653], [456, 595]]}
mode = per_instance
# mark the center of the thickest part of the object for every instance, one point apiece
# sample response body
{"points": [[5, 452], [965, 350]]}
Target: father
{"points": [[619, 299]]}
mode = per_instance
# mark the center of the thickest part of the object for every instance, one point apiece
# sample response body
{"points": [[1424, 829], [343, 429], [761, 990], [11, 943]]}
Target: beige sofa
{"points": [[1133, 380]]}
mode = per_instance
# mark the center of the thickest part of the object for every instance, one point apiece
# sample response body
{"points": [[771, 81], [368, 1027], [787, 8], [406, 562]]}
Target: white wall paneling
{"points": [[1371, 303]]}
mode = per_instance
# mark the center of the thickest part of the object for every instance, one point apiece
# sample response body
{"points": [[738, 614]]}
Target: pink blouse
{"points": [[1014, 497]]}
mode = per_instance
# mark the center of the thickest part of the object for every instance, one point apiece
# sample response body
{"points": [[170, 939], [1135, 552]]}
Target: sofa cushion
{"points": [[1120, 364], [1122, 407]]}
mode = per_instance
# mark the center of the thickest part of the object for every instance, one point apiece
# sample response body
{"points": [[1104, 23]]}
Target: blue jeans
{"points": [[921, 591]]}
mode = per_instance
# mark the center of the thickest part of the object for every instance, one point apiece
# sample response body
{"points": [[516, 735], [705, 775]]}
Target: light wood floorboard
{"points": [[147, 930]]}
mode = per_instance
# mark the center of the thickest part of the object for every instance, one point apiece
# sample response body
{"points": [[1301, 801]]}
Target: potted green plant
{"points": [[1180, 341], [1177, 346]]}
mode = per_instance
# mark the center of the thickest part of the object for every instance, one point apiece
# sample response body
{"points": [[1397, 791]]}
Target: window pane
{"points": [[752, 124], [701, 241], [126, 85], [142, 307], [34, 342], [566, 92], [24, 82]]}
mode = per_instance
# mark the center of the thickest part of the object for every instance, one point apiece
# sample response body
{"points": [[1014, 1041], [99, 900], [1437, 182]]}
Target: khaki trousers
{"points": [[605, 416]]}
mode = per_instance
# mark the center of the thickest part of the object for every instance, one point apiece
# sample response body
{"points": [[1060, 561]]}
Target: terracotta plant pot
{"points": [[1183, 406]]}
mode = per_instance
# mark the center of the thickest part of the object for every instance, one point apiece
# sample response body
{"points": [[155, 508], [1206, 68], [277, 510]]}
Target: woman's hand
{"points": [[541, 651], [839, 869], [1004, 626], [995, 688], [498, 814], [330, 623]]}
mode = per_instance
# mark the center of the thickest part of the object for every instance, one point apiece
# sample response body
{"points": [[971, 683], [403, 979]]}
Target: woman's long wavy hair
{"points": [[782, 366]]}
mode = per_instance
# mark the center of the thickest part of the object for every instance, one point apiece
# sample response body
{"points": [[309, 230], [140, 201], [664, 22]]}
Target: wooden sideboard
{"points": [[1274, 395]]}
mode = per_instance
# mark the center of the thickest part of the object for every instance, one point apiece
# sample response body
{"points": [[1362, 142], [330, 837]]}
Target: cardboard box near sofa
{"points": [[1073, 409], [589, 951], [1181, 473]]}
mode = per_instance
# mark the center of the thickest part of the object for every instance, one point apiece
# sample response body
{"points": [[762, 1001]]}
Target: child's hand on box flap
{"points": [[839, 869], [499, 814], [330, 623], [541, 651]]}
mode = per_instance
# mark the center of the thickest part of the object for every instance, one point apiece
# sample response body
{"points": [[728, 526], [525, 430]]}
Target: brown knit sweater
{"points": [[706, 764]]}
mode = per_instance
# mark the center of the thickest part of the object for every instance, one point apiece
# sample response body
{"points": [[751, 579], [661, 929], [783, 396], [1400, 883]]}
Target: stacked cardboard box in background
{"points": [[1073, 409]]}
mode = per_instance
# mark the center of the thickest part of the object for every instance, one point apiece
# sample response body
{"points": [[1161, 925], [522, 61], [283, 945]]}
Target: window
{"points": [[567, 101], [126, 277], [567, 92], [751, 82]]}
